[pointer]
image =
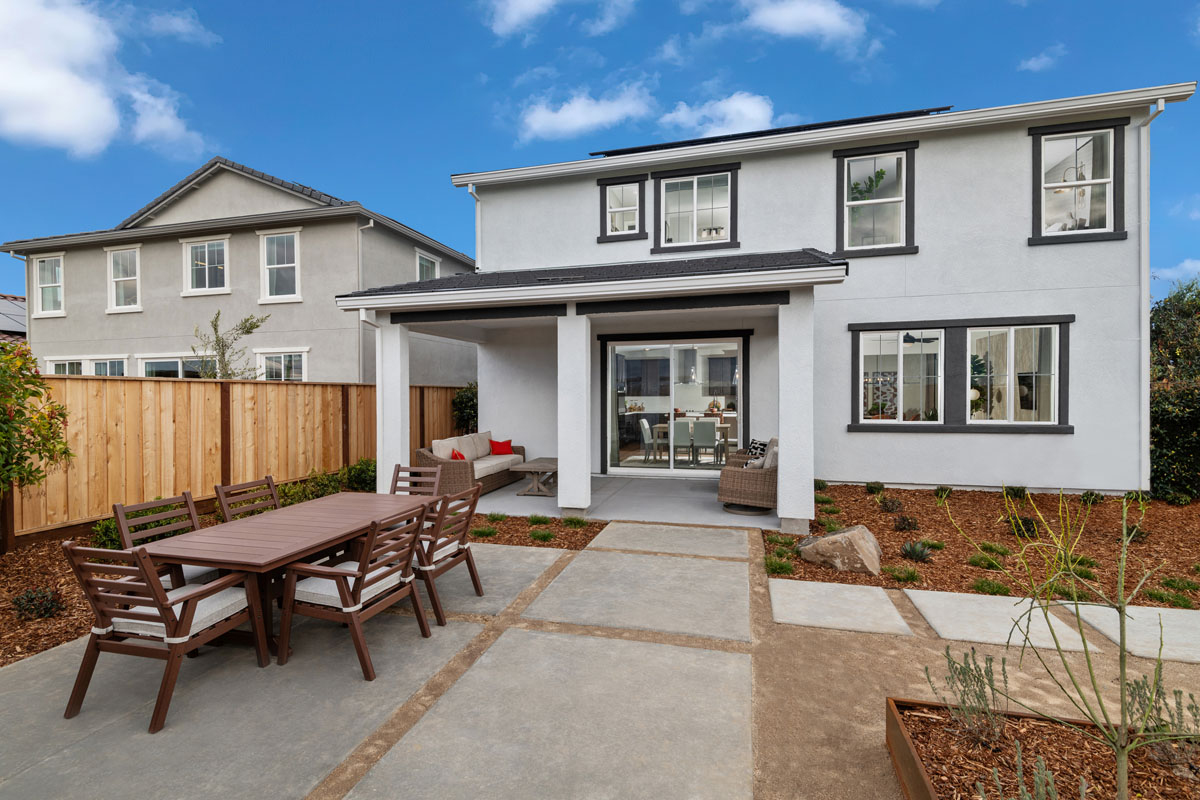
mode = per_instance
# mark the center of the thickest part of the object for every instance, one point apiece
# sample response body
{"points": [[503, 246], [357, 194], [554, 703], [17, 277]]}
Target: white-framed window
{"points": [[175, 365], [103, 366], [1013, 374], [1077, 182], [695, 209], [902, 376], [875, 204], [65, 367], [48, 276], [428, 266], [205, 266], [280, 255], [621, 209], [282, 363], [124, 278]]}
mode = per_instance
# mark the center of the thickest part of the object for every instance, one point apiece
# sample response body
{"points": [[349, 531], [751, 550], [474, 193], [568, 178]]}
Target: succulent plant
{"points": [[916, 551]]}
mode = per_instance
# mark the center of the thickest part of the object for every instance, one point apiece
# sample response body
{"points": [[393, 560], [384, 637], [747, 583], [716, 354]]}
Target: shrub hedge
{"points": [[1175, 439]]}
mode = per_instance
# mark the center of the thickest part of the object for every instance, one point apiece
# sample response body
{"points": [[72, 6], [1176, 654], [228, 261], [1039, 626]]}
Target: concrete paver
{"points": [[989, 619], [835, 605], [1180, 632], [504, 571], [727, 543]]}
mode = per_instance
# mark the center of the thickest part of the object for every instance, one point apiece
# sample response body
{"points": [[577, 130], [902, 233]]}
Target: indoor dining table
{"points": [[264, 544]]}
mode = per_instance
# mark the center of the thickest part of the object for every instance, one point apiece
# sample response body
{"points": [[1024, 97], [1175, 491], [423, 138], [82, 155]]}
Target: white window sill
{"points": [[48, 314], [124, 310], [204, 292], [291, 298]]}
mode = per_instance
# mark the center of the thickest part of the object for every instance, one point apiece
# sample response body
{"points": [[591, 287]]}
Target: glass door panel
{"points": [[704, 405], [640, 403]]}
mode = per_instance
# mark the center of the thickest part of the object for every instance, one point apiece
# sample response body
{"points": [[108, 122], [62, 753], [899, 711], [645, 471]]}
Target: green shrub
{"points": [[1170, 598], [1091, 498], [317, 484], [902, 574], [989, 586], [575, 522], [933, 544], [820, 485], [106, 535], [903, 523], [1177, 499], [984, 561], [464, 406], [1015, 492], [994, 549], [874, 487], [942, 492], [359, 476], [496, 516], [782, 552], [1070, 591], [830, 510], [890, 505], [484, 532], [775, 538], [1084, 572], [1181, 584], [777, 566], [541, 535], [1174, 439], [822, 499], [1083, 561], [538, 519], [1024, 527], [38, 603], [915, 551], [830, 525]]}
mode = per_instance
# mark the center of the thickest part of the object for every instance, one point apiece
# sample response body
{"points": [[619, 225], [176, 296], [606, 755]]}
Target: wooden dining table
{"points": [[265, 544]]}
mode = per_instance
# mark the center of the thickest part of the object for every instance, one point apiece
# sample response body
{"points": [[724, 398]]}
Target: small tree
{"points": [[1175, 393], [465, 407], [218, 353], [32, 426]]}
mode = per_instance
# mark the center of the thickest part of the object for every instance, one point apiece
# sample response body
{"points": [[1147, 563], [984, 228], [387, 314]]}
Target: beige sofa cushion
{"points": [[441, 447], [490, 465], [482, 442]]}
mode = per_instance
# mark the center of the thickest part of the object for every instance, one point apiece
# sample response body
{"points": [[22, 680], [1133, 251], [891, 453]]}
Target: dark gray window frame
{"points": [[910, 190], [955, 379], [708, 169], [620, 180], [1117, 125]]}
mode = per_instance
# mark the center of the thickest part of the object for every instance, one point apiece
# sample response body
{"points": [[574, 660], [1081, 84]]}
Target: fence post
{"points": [[345, 425], [226, 437], [8, 519]]}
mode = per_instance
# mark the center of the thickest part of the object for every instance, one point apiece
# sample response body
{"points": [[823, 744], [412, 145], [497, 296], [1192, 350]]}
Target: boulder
{"points": [[852, 549]]}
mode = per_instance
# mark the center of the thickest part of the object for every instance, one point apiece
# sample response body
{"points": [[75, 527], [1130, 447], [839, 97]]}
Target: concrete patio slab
{"points": [[988, 619], [1180, 630], [658, 593], [555, 715], [728, 543], [234, 730], [504, 571], [835, 605]]}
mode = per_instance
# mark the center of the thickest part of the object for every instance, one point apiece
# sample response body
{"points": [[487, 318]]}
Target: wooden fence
{"points": [[430, 416]]}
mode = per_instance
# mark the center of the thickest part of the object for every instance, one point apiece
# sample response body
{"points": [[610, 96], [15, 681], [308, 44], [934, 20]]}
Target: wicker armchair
{"points": [[459, 476], [747, 487]]}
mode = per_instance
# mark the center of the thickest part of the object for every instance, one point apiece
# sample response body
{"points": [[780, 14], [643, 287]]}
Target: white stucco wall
{"points": [[518, 389]]}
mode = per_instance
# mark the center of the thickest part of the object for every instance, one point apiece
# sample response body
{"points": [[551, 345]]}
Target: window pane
{"points": [[216, 265], [101, 368], [162, 369], [1034, 355], [880, 372], [293, 367], [874, 178], [51, 298], [920, 351], [125, 293], [874, 225], [1075, 208], [68, 368], [426, 268], [281, 249], [678, 228], [273, 368], [49, 271], [199, 268], [115, 369], [712, 208], [124, 264], [281, 281], [1077, 158], [624, 196], [623, 222], [196, 367], [988, 352], [678, 196]]}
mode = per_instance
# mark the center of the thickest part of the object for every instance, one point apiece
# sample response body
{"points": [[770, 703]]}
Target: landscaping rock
{"points": [[852, 549]]}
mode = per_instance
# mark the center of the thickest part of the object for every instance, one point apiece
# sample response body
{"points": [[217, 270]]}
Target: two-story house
{"points": [[922, 298], [127, 301]]}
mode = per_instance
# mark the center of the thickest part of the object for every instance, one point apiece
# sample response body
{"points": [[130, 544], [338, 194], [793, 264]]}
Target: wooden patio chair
{"points": [[445, 545], [250, 498], [172, 515], [354, 591], [136, 616], [417, 480]]}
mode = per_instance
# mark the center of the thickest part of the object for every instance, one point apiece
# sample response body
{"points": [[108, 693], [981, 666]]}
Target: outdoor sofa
{"points": [[478, 465], [742, 486]]}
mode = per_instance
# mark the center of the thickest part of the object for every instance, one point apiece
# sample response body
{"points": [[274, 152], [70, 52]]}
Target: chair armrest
{"points": [[519, 449], [738, 459], [320, 571], [203, 590]]}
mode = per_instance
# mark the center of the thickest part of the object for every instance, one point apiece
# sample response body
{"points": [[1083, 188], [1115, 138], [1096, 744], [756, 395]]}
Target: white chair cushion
{"points": [[771, 459], [490, 465], [324, 592], [210, 610], [448, 549], [193, 575]]}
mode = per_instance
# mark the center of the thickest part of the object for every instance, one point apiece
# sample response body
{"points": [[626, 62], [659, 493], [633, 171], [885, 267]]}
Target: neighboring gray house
{"points": [[922, 298], [12, 318], [126, 301]]}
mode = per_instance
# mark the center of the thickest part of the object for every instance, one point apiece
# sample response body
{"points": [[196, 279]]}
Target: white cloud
{"points": [[512, 16], [1185, 270], [832, 24], [1045, 59], [545, 72], [613, 14], [919, 3], [1189, 208], [183, 25], [740, 111], [62, 85], [671, 51], [583, 113], [692, 6]]}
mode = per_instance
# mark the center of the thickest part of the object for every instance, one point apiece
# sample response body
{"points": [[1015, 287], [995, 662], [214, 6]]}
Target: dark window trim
{"points": [[708, 169], [955, 379], [604, 183], [910, 191], [605, 339], [687, 302], [1117, 126]]}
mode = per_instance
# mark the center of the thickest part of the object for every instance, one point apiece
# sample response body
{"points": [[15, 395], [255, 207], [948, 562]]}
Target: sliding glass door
{"points": [[673, 406]]}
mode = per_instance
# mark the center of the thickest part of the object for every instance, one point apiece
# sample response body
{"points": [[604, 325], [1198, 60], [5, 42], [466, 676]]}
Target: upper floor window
{"points": [[622, 208], [697, 208], [48, 272], [204, 265], [125, 280], [281, 266], [875, 200], [427, 266], [1012, 373], [901, 375], [1078, 192]]}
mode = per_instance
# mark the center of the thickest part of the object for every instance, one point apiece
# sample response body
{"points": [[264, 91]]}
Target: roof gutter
{"points": [[478, 225], [1144, 286]]}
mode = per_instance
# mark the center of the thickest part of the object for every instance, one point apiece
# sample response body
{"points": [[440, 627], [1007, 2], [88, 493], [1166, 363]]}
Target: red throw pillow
{"points": [[501, 448], [457, 456]]}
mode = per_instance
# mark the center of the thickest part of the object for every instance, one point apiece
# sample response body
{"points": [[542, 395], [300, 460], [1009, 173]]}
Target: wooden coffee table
{"points": [[543, 475]]}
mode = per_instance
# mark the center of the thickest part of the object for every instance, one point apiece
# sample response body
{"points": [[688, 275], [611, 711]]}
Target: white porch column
{"points": [[574, 419], [796, 375], [392, 369]]}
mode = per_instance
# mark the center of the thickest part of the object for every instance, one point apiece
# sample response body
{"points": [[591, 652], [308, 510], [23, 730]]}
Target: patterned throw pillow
{"points": [[757, 448]]}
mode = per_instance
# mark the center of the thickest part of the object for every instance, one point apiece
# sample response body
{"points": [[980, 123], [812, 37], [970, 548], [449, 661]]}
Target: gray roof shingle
{"points": [[12, 317]]}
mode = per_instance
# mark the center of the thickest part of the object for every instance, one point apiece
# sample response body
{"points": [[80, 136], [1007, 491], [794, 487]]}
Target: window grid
{"points": [[125, 279], [1001, 391], [622, 213], [50, 284], [897, 238], [206, 265], [427, 267], [875, 397], [283, 367], [706, 216], [281, 265]]}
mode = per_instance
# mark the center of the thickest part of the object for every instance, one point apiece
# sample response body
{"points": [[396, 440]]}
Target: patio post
{"points": [[392, 370], [796, 376], [574, 427]]}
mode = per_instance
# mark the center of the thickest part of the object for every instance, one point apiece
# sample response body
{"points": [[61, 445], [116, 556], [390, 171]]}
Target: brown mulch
{"points": [[1173, 543], [955, 763], [515, 530]]}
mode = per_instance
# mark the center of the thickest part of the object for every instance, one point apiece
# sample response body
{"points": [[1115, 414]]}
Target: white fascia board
{"points": [[1023, 112], [608, 290]]}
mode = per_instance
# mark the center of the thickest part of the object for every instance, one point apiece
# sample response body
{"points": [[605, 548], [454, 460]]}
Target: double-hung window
{"points": [[1078, 174], [697, 208], [205, 263], [875, 200], [280, 266], [48, 273], [901, 374], [124, 279], [1013, 374], [622, 208], [427, 266]]}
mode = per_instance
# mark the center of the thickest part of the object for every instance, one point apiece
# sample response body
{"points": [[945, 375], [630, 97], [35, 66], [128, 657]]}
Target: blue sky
{"points": [[105, 105]]}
